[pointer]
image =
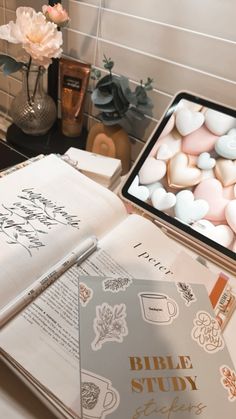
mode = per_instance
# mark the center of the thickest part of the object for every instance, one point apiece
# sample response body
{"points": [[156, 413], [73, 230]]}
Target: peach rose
{"points": [[56, 14]]}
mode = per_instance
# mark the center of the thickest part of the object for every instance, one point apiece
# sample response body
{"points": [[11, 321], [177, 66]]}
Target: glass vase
{"points": [[33, 110]]}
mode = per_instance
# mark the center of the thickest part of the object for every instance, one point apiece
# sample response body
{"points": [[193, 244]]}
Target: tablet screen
{"points": [[187, 173]]}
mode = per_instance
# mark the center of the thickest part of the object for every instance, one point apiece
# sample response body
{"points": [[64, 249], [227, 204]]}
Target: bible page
{"points": [[46, 210]]}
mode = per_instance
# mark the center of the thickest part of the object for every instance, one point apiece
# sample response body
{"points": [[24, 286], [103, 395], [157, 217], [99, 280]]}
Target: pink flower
{"points": [[39, 38], [56, 14]]}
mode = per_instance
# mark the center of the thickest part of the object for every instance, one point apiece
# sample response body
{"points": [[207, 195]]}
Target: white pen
{"points": [[76, 256]]}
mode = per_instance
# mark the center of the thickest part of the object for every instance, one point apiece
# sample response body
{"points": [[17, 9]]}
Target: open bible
{"points": [[46, 210]]}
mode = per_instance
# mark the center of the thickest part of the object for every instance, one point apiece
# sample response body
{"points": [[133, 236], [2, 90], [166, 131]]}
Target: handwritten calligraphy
{"points": [[207, 333], [152, 409], [26, 221]]}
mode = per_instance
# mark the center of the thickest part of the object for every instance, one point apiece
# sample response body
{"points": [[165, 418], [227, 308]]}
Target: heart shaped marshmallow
{"points": [[230, 214], [234, 247], [169, 126], [173, 144], [199, 141], [140, 192], [221, 234], [205, 161], [163, 200], [211, 191], [226, 146], [153, 186], [180, 174], [188, 121], [189, 210], [217, 122], [225, 171], [164, 152], [152, 171]]}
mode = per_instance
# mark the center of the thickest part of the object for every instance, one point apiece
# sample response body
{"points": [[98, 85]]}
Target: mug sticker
{"points": [[109, 325], [85, 294], [116, 284], [98, 397], [228, 380], [158, 308], [207, 333], [186, 293]]}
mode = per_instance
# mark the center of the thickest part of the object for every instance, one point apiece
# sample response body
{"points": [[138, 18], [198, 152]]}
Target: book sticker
{"points": [[116, 284], [186, 293], [207, 333], [158, 308], [109, 325], [98, 397], [85, 294], [228, 380]]}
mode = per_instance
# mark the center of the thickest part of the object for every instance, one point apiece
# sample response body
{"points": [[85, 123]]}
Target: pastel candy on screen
{"points": [[225, 171], [164, 152], [188, 105], [188, 121], [230, 213], [187, 209], [180, 173], [199, 141], [139, 191], [226, 146], [163, 200], [166, 147], [221, 234], [207, 174], [205, 161], [153, 186], [218, 123], [152, 171], [169, 126], [229, 193], [234, 246], [211, 190]]}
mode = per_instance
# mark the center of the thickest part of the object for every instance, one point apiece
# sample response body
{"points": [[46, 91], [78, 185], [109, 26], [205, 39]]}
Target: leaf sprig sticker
{"points": [[186, 292], [109, 324], [228, 380]]}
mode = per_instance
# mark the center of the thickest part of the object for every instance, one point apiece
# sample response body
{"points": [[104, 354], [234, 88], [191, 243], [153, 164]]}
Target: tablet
{"points": [[185, 177]]}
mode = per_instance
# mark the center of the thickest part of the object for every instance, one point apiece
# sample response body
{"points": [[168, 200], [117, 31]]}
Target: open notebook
{"points": [[47, 209]]}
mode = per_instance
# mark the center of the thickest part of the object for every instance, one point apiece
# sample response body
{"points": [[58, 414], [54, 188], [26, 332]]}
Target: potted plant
{"points": [[117, 105]]}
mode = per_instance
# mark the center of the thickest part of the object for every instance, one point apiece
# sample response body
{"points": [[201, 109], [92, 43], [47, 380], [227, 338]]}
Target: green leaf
{"points": [[95, 74], [105, 83], [120, 102], [100, 98], [108, 63], [109, 107], [10, 65]]}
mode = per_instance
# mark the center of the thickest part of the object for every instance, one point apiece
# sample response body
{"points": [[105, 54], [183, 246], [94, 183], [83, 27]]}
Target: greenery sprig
{"points": [[115, 99]]}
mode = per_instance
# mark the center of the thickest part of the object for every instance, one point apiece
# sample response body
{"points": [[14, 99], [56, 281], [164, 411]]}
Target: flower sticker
{"points": [[109, 325], [207, 333], [228, 381], [85, 294]]}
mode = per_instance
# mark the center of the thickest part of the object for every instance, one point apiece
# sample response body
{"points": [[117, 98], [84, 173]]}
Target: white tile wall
{"points": [[181, 44]]}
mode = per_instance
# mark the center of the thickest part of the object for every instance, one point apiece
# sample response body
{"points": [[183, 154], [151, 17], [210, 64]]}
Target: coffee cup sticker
{"points": [[158, 308], [98, 397]]}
